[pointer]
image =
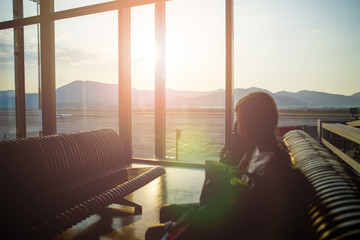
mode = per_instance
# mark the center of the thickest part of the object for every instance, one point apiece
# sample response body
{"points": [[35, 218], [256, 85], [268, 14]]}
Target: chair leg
{"points": [[125, 202]]}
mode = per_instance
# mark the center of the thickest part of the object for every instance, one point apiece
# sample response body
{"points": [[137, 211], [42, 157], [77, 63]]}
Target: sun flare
{"points": [[143, 51]]}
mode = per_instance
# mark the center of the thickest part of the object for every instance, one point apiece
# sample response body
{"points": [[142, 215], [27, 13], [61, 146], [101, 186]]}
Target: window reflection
{"points": [[31, 8]]}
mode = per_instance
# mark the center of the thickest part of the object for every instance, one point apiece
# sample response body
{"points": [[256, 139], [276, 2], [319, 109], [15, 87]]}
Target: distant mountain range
{"points": [[95, 95]]}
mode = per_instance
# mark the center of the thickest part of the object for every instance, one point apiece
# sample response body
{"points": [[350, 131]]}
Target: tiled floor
{"points": [[178, 185]]}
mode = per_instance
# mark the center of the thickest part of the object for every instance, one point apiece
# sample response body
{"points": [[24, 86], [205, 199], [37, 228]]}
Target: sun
{"points": [[143, 51]]}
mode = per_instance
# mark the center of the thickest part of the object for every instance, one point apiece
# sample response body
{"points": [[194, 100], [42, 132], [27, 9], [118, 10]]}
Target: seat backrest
{"points": [[46, 175], [334, 208]]}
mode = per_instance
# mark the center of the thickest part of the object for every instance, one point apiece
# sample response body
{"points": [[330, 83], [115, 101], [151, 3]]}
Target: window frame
{"points": [[46, 20]]}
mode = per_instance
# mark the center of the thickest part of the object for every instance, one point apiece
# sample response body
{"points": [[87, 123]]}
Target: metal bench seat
{"points": [[51, 183], [334, 208]]}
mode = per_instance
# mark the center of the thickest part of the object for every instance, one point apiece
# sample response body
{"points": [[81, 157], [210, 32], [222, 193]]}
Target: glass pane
{"points": [[31, 8], [32, 84], [86, 72], [143, 80], [7, 85], [195, 79], [6, 10], [309, 64], [68, 4]]}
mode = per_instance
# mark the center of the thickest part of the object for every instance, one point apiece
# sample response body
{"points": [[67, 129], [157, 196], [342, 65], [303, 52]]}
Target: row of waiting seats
{"points": [[334, 208], [51, 183]]}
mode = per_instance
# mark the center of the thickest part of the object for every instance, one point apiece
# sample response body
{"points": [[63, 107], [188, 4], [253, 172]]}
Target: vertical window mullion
{"points": [[160, 86], [19, 71], [229, 86], [48, 84], [124, 59]]}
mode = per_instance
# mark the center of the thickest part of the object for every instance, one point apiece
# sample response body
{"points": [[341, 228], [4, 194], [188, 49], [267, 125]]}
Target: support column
{"points": [[124, 48], [229, 86], [48, 84], [160, 85], [19, 72], [319, 130]]}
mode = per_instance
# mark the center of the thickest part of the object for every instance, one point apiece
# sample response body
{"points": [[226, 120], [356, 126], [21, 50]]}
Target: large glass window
{"points": [[86, 72], [195, 79], [309, 64], [27, 52], [7, 85], [305, 53]]}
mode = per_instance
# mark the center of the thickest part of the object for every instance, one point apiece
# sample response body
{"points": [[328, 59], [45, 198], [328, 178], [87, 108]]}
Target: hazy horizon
{"points": [[219, 89]]}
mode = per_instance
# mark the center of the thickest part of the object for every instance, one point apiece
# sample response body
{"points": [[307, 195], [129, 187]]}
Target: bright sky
{"points": [[288, 45]]}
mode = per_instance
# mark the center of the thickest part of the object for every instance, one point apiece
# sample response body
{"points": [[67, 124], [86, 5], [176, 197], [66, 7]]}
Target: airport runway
{"points": [[202, 132]]}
